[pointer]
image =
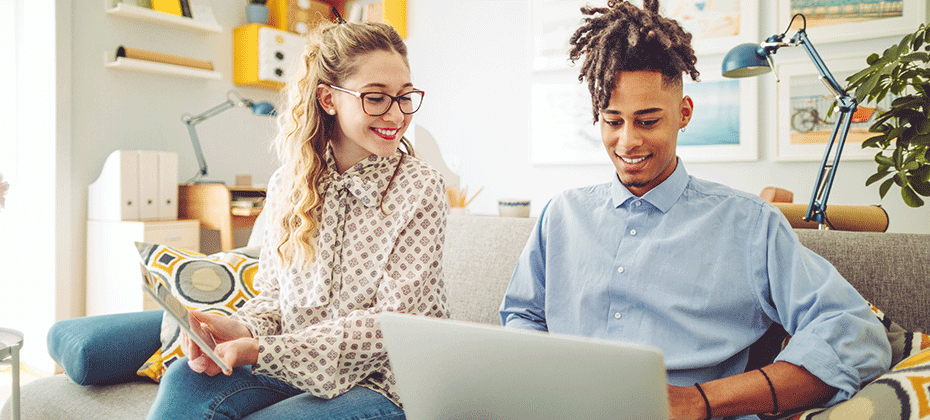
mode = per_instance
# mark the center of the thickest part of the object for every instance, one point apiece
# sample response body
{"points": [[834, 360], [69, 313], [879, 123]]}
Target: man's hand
{"points": [[685, 403]]}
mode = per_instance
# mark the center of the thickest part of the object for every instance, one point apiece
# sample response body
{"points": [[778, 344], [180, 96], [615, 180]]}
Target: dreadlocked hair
{"points": [[623, 37]]}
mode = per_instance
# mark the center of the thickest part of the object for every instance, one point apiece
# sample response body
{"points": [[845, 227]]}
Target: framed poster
{"points": [[724, 127], [846, 20], [803, 102], [562, 128], [552, 24], [716, 25]]}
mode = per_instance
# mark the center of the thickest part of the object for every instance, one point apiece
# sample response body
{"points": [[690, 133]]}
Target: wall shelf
{"points": [[161, 68], [149, 15]]}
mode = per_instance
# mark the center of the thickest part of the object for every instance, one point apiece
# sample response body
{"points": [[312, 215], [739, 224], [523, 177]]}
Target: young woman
{"points": [[355, 229]]}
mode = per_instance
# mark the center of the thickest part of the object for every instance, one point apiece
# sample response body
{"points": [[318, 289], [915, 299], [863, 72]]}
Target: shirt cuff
{"points": [[523, 324], [257, 326], [814, 354]]}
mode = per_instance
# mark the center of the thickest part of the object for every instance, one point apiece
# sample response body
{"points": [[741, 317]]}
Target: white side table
{"points": [[10, 343]]}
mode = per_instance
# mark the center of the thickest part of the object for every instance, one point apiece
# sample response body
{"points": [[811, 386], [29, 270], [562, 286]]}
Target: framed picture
{"points": [[804, 122], [717, 25], [562, 128], [552, 24], [724, 126], [723, 129], [846, 20]]}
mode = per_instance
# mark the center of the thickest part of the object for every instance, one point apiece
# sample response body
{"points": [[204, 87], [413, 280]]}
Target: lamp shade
{"points": [[745, 60], [263, 108]]}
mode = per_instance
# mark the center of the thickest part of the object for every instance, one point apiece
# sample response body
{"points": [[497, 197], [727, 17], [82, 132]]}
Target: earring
{"points": [[683, 129], [332, 112]]}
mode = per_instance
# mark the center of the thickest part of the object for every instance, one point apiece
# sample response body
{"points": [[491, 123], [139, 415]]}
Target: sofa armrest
{"points": [[105, 349]]}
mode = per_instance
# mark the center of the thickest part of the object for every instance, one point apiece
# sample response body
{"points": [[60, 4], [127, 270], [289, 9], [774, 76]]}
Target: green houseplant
{"points": [[903, 131]]}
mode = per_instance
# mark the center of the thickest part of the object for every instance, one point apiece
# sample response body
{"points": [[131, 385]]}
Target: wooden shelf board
{"points": [[142, 13], [162, 68]]}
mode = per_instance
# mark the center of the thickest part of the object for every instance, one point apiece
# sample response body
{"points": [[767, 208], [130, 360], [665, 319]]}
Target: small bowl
{"points": [[513, 207]]}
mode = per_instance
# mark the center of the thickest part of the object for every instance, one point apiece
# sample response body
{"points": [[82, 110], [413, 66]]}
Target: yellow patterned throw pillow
{"points": [[219, 283]]}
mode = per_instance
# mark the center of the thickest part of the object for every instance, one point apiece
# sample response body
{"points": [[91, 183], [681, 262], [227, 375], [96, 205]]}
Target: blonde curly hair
{"points": [[330, 57]]}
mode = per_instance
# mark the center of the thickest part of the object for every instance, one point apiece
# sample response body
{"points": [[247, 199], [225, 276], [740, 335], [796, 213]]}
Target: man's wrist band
{"points": [[771, 388], [706, 402]]}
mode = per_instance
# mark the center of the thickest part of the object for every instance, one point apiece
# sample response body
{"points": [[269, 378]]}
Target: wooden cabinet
{"points": [[114, 284], [221, 207]]}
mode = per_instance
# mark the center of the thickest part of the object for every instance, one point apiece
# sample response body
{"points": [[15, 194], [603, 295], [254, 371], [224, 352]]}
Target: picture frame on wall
{"points": [[803, 102], [562, 128], [718, 25], [724, 126], [552, 23], [848, 20]]}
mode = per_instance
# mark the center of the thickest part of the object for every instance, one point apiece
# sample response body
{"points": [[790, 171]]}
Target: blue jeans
{"points": [[186, 394]]}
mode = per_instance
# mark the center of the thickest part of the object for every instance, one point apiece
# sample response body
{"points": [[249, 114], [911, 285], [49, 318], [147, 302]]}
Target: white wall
{"points": [[115, 109], [473, 59]]}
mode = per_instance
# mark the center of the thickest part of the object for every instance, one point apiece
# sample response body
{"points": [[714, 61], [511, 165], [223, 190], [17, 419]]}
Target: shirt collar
{"points": [[663, 196], [364, 168]]}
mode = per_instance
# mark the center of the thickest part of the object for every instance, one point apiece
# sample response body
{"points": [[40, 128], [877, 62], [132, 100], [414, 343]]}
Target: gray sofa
{"points": [[890, 270]]}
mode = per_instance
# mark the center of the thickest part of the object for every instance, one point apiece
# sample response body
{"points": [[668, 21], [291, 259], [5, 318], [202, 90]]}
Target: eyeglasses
{"points": [[377, 104]]}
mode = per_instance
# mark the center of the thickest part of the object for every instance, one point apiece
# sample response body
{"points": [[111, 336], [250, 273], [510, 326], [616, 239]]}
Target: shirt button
{"points": [[620, 270], [633, 232], [639, 203], [617, 315]]}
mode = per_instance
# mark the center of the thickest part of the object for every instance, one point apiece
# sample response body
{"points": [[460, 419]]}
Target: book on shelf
{"points": [[185, 8], [201, 11], [168, 6]]}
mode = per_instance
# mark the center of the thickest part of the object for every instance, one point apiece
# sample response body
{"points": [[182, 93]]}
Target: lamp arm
{"points": [[192, 120], [817, 209]]}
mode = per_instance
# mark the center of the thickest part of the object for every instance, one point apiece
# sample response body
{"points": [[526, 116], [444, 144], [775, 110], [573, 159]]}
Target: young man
{"points": [[694, 268]]}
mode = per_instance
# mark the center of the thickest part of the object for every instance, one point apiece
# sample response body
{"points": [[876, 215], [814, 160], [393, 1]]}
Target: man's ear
{"points": [[687, 111], [325, 97]]}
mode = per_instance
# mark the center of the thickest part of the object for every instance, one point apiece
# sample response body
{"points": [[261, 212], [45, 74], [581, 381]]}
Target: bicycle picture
{"points": [[810, 113]]}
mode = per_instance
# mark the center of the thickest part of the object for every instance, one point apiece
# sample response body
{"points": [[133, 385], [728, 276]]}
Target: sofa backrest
{"points": [[890, 270], [479, 256]]}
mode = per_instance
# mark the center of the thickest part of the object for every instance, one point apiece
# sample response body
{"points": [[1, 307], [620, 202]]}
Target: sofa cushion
{"points": [[479, 257], [105, 349], [219, 283], [56, 397]]}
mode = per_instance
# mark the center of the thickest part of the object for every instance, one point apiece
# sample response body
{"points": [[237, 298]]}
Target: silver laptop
{"points": [[460, 370]]}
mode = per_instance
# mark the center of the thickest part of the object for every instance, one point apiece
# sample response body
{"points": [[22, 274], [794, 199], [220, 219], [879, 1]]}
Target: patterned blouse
{"points": [[318, 326]]}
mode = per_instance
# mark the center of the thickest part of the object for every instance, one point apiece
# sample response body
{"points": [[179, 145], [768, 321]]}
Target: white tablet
{"points": [[173, 307]]}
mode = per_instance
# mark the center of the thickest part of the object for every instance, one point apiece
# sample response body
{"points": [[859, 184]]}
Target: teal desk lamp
{"points": [[747, 60], [233, 100]]}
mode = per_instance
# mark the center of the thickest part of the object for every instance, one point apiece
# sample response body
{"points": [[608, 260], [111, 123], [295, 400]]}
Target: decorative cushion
{"points": [[902, 393], [219, 283], [105, 349]]}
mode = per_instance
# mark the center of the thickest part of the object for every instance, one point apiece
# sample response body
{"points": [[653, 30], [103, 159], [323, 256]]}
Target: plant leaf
{"points": [[876, 177], [921, 188], [917, 56], [910, 197], [873, 141], [883, 189], [884, 160], [901, 179]]}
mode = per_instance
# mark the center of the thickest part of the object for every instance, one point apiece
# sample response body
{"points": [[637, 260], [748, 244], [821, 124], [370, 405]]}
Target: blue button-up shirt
{"points": [[697, 270]]}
